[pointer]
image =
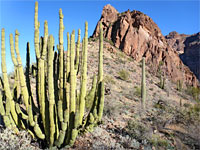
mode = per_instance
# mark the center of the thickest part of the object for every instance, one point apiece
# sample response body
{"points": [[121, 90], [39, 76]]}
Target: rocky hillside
{"points": [[137, 35], [171, 120], [188, 46]]}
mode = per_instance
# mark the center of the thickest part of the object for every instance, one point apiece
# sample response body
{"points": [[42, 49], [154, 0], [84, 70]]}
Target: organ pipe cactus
{"points": [[60, 114]]}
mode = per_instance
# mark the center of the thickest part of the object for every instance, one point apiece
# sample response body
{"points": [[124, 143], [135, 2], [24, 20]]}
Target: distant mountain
{"points": [[189, 48], [137, 35]]}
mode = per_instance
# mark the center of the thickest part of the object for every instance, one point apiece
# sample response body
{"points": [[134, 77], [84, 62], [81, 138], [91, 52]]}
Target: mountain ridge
{"points": [[137, 35]]}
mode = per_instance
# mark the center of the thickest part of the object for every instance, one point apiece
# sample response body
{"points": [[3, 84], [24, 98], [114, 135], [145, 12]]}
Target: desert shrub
{"points": [[121, 54], [109, 41], [136, 130], [111, 110], [193, 91], [151, 89], [194, 110], [123, 75], [137, 91], [129, 94], [109, 79], [156, 141], [91, 39]]}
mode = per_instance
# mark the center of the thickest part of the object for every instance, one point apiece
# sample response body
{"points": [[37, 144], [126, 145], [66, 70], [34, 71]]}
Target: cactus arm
{"points": [[14, 60], [10, 105], [33, 122], [4, 72], [91, 95], [36, 33], [13, 125], [44, 47], [6, 119], [51, 88], [74, 132], [100, 66], [2, 111], [20, 113], [77, 52], [84, 77], [61, 67], [37, 129], [101, 101], [72, 88], [21, 72], [68, 57], [42, 103], [72, 74]]}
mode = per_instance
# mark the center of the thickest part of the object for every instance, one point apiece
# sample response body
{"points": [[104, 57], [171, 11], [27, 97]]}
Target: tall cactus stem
{"points": [[143, 86], [21, 72], [10, 104], [42, 100], [77, 51], [100, 66], [101, 101], [51, 88], [4, 72], [84, 77], [61, 67], [72, 75], [36, 33]]}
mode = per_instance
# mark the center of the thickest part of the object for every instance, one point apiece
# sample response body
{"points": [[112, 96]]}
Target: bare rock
{"points": [[137, 35]]}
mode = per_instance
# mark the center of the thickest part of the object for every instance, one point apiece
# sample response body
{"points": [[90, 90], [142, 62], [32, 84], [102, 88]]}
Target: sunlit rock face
{"points": [[137, 35]]}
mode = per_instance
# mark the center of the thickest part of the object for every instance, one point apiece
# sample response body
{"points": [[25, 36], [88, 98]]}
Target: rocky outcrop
{"points": [[137, 35], [190, 50], [176, 41]]}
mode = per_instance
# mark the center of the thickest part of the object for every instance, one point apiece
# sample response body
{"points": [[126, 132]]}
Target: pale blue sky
{"points": [[180, 16]]}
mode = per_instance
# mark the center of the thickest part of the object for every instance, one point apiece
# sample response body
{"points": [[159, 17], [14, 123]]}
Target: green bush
{"points": [[137, 91], [109, 41], [109, 79], [156, 140], [193, 91], [136, 130], [123, 75]]}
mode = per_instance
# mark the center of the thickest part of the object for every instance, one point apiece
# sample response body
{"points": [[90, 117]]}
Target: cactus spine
{"points": [[143, 87]]}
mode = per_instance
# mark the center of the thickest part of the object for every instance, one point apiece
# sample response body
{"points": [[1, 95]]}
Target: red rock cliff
{"points": [[137, 35]]}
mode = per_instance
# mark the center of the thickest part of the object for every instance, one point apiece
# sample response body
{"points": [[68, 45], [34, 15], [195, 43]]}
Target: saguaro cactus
{"points": [[143, 86]]}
